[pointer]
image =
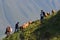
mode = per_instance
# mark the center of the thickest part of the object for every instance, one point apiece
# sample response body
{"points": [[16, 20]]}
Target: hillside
{"points": [[37, 30], [12, 11]]}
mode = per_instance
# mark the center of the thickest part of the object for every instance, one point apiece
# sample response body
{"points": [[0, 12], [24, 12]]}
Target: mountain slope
{"points": [[12, 11], [36, 30]]}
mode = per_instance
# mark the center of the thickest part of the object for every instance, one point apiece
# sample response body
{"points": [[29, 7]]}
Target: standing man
{"points": [[42, 15], [16, 27]]}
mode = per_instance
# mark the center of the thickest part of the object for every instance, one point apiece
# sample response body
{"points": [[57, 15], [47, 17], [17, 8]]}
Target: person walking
{"points": [[42, 15], [16, 27]]}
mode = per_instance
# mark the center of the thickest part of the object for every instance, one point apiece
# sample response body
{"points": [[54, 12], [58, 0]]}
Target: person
{"points": [[8, 31], [42, 15], [16, 27]]}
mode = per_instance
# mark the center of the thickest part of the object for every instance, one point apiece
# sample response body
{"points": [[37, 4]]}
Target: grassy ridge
{"points": [[37, 29]]}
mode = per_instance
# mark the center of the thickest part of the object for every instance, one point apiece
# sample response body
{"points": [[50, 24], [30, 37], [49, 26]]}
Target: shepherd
{"points": [[16, 27], [42, 15]]}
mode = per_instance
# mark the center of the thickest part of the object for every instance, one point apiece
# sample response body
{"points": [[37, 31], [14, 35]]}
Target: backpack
{"points": [[44, 13]]}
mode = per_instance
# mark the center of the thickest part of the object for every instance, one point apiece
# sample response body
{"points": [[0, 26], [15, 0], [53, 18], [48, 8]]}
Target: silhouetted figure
{"points": [[8, 31], [42, 15], [16, 27]]}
